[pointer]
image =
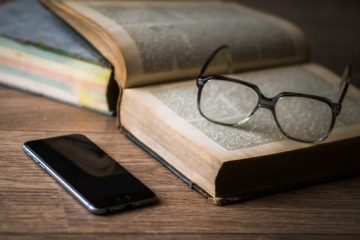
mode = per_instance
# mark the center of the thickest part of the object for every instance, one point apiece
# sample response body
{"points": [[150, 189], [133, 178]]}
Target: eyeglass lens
{"points": [[232, 103], [302, 118], [227, 102]]}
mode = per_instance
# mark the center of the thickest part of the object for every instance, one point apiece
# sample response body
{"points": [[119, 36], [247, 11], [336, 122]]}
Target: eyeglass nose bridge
{"points": [[266, 102]]}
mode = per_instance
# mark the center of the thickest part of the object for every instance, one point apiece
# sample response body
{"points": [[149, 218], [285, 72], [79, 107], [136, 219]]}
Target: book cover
{"points": [[41, 54]]}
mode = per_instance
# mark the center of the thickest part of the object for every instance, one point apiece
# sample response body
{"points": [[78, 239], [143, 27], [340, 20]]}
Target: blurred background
{"points": [[331, 26]]}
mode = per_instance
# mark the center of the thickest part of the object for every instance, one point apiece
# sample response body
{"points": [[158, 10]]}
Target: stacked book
{"points": [[41, 54]]}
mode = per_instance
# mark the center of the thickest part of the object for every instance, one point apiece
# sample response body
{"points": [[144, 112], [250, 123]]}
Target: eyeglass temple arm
{"points": [[212, 56], [346, 78]]}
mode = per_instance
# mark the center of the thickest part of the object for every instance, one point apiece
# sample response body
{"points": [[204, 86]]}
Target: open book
{"points": [[157, 50]]}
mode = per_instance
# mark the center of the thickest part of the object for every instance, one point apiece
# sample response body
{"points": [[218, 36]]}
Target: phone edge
{"points": [[62, 182]]}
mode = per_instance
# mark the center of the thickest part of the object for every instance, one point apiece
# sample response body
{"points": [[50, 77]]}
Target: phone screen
{"points": [[89, 171]]}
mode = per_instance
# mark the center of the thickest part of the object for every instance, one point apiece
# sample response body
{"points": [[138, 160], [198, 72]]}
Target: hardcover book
{"points": [[41, 54], [157, 50]]}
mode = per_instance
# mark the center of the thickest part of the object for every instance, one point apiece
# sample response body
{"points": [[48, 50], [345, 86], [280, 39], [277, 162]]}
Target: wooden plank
{"points": [[31, 210], [26, 112], [46, 207], [156, 236]]}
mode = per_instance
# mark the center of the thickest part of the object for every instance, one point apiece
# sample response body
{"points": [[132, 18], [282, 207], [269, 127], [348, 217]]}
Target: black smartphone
{"points": [[95, 179]]}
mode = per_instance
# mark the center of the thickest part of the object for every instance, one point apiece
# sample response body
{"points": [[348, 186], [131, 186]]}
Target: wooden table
{"points": [[33, 205]]}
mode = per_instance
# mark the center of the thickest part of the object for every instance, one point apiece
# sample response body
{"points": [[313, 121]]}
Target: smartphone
{"points": [[95, 179]]}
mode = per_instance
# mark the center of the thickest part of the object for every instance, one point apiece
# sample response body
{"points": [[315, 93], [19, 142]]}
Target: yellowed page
{"points": [[163, 41], [166, 119], [175, 105]]}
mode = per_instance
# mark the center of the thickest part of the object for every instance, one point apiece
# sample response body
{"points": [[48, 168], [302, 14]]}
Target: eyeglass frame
{"points": [[270, 103]]}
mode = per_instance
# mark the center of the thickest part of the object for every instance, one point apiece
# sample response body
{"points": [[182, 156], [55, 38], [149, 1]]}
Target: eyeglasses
{"points": [[301, 117]]}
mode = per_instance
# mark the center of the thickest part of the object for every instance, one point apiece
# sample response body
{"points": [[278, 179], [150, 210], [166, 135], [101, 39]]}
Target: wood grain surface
{"points": [[34, 206]]}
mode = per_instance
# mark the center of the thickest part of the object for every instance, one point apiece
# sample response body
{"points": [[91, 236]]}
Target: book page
{"points": [[162, 41], [176, 105]]}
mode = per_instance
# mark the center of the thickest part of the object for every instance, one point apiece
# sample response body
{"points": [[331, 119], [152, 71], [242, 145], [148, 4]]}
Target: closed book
{"points": [[41, 54]]}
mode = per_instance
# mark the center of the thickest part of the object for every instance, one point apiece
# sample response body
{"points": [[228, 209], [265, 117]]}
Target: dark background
{"points": [[331, 26]]}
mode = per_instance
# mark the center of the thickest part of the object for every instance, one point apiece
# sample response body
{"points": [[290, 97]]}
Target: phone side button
{"points": [[33, 158], [42, 166]]}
